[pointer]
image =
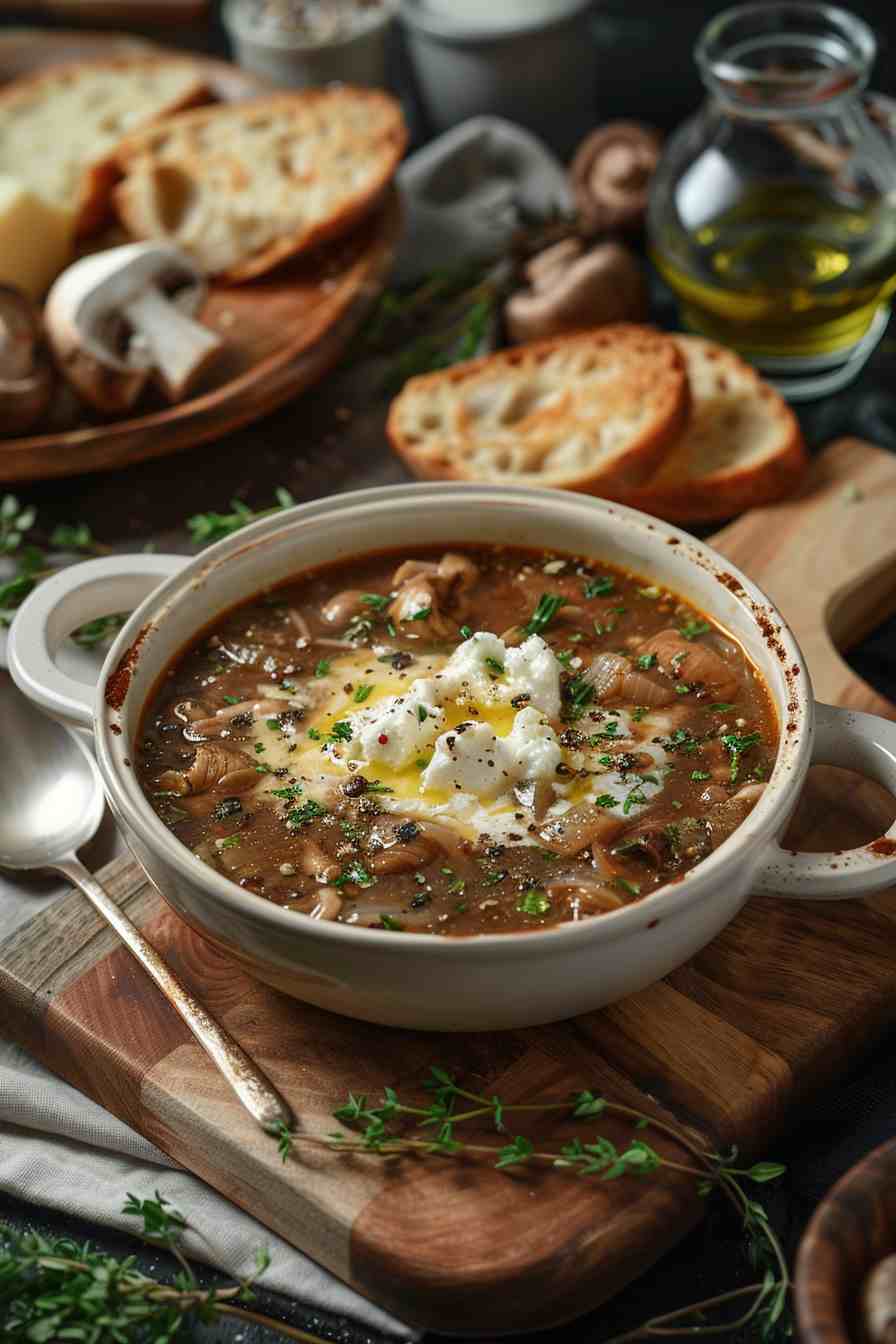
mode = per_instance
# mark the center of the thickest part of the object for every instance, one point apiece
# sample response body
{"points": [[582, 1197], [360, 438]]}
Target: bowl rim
{"points": [[757, 831]]}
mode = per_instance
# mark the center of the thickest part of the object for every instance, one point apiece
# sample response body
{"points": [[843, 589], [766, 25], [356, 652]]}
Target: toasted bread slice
{"points": [[59, 129], [575, 411], [741, 447], [242, 187]]}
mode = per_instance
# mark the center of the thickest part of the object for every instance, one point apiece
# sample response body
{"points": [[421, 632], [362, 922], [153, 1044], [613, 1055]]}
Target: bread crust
{"points": [[98, 176], [644, 365], [679, 492], [143, 153]]}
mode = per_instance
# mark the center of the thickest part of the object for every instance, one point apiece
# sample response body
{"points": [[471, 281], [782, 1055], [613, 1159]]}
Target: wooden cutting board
{"points": [[774, 1010]]}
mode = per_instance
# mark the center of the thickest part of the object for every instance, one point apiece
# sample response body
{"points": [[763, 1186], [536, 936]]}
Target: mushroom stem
{"points": [[180, 349]]}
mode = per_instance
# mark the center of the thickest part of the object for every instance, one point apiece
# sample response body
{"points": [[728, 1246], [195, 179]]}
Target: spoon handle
{"points": [[259, 1097]]}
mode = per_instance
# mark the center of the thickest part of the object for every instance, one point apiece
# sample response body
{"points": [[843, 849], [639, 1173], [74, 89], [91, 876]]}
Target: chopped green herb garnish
{"points": [[300, 816], [231, 700], [376, 786], [632, 888], [274, 724], [362, 692], [682, 688], [466, 632], [494, 875], [340, 732], [314, 734], [699, 775], [639, 712], [646, 660], [355, 872], [422, 762], [422, 713], [390, 630], [229, 843], [423, 614], [262, 769], [546, 609], [260, 747], [736, 745], [494, 666], [635, 797], [564, 658], [692, 629], [606, 800], [533, 901], [457, 885], [579, 692], [722, 706], [375, 600], [290, 792], [600, 586], [322, 668], [393, 925]]}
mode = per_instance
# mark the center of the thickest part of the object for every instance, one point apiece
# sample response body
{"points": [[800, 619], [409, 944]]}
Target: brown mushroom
{"points": [[610, 175], [26, 377], [572, 289]]}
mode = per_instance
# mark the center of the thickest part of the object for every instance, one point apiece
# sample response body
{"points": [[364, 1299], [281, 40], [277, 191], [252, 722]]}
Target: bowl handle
{"points": [[855, 741], [78, 593]]}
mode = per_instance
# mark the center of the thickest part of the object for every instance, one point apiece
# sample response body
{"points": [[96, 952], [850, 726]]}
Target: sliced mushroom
{"points": [[570, 292], [611, 174], [119, 317], [213, 766], [26, 375], [580, 827]]}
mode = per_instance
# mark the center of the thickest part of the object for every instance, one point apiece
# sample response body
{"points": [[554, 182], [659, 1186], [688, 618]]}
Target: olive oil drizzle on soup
{"points": [[464, 740]]}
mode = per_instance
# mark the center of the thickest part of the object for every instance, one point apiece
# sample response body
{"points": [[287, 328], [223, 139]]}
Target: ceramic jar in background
{"points": [[289, 56], [531, 61]]}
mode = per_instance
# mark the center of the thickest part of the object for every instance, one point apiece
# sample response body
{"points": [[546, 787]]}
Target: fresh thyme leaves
{"points": [[381, 1129], [56, 1288], [546, 609], [599, 587], [736, 745], [204, 528]]}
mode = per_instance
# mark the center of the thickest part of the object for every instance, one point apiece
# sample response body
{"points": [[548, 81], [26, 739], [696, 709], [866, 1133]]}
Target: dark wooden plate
{"points": [[283, 331], [852, 1229]]}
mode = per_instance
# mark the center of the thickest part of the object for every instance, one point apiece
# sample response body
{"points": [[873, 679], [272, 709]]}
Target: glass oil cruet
{"points": [[773, 210]]}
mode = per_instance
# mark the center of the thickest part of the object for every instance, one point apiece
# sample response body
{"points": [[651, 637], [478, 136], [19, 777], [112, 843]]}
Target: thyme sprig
{"points": [[380, 1130], [56, 1288]]}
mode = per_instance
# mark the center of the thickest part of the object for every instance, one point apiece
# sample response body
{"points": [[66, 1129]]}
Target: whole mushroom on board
{"points": [[26, 375], [120, 317], [571, 289], [610, 175]]}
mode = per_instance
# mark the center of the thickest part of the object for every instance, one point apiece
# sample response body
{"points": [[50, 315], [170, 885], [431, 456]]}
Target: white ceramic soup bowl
{"points": [[418, 980]]}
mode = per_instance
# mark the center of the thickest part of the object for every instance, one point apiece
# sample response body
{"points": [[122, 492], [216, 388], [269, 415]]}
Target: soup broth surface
{"points": [[463, 740]]}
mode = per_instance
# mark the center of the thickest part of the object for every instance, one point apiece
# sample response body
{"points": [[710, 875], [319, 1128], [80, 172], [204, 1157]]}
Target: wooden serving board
{"points": [[283, 332], [774, 1010]]}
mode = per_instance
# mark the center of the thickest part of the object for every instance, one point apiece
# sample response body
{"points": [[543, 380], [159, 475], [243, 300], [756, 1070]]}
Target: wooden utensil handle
{"points": [[260, 1099]]}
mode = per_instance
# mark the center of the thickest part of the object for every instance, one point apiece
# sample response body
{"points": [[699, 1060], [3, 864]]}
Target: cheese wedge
{"points": [[35, 238]]}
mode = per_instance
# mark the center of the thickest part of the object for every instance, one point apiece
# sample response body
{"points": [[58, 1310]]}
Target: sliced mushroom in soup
{"points": [[456, 741]]}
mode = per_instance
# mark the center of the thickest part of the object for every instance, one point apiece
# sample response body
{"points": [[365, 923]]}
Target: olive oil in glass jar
{"points": [[773, 211]]}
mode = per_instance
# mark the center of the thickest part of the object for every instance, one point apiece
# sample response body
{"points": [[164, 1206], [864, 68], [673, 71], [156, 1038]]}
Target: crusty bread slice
{"points": [[242, 187], [575, 411], [59, 128], [741, 447]]}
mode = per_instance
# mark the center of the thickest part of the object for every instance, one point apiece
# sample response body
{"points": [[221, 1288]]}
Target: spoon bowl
{"points": [[52, 803], [51, 794]]}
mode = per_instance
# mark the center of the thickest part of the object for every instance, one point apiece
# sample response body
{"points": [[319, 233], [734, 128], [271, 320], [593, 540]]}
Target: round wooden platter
{"points": [[852, 1229], [283, 332]]}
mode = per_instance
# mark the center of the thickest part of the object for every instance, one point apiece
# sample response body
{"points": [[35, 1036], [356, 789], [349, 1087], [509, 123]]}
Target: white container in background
{"points": [[287, 59], [531, 61]]}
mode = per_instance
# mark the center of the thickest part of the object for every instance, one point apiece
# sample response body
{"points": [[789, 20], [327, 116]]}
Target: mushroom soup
{"points": [[466, 740]]}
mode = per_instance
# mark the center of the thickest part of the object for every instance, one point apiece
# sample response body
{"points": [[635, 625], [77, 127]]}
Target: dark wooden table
{"points": [[332, 438]]}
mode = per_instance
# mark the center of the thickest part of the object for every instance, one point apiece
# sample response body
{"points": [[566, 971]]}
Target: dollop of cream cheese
{"points": [[473, 759]]}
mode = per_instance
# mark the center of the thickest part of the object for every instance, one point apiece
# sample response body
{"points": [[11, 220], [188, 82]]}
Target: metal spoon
{"points": [[51, 803]]}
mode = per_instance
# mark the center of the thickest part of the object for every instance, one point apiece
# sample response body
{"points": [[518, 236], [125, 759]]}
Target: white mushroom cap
{"points": [[118, 316]]}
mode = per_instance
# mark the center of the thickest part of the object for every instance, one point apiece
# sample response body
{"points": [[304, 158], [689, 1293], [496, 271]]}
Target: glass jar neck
{"points": [[797, 59]]}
